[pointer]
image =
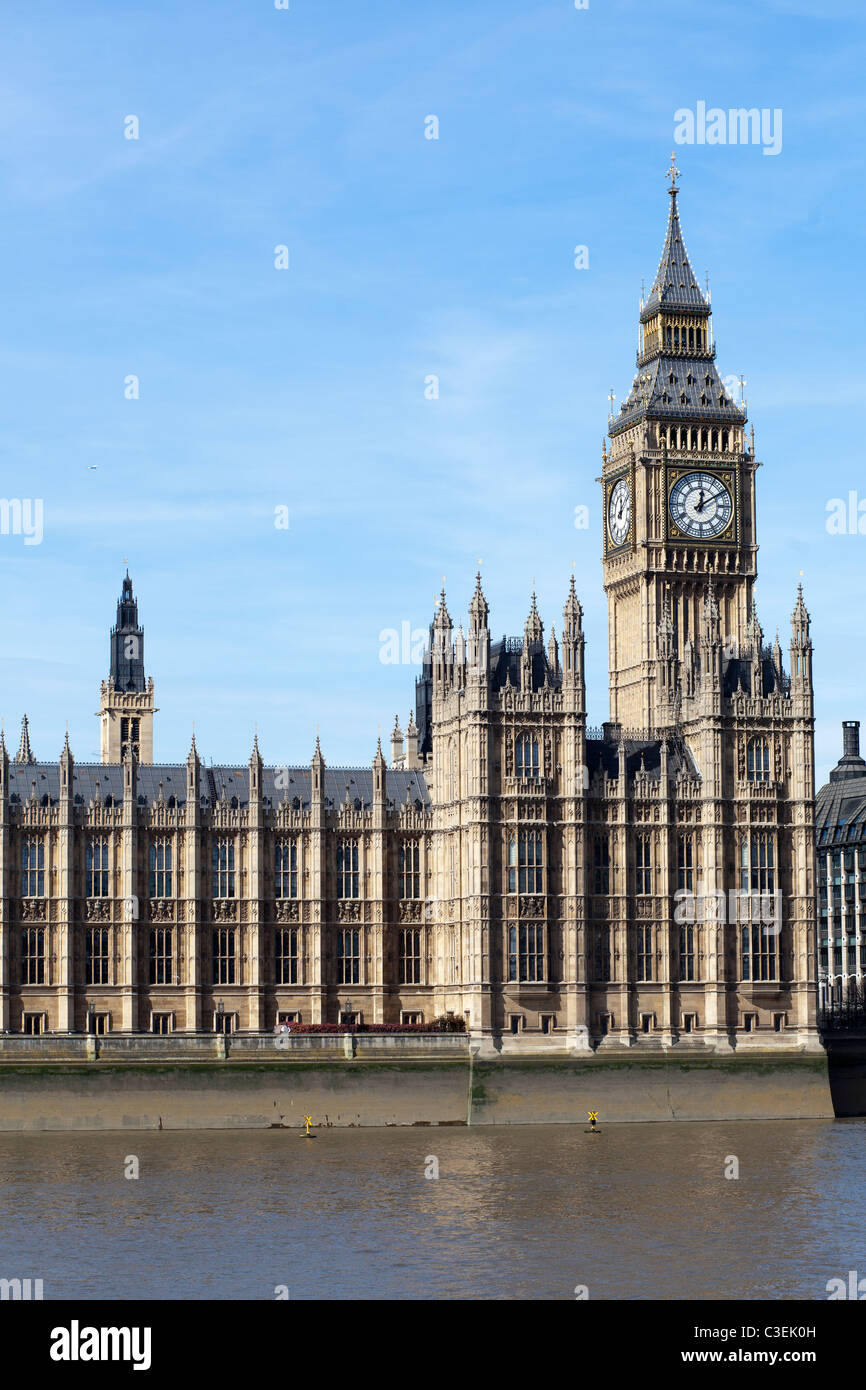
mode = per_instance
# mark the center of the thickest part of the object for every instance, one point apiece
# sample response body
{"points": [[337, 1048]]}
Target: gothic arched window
{"points": [[758, 760], [526, 756], [526, 862]]}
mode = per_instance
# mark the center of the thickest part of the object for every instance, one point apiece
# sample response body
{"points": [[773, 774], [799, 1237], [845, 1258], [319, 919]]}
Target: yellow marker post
{"points": [[593, 1117], [308, 1120]]}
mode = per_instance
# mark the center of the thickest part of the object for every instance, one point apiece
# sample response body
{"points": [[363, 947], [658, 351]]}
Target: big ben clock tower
{"points": [[678, 485]]}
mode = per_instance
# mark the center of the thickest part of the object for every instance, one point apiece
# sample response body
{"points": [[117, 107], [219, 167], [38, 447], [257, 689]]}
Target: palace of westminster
{"points": [[651, 883]]}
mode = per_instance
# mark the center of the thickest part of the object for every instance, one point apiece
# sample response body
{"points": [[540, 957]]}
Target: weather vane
{"points": [[673, 172]]}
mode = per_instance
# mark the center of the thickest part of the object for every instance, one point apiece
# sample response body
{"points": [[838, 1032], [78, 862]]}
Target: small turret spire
{"points": [[25, 752], [534, 628], [478, 609]]}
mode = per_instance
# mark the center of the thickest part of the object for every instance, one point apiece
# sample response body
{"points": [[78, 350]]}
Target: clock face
{"points": [[701, 506], [619, 511]]}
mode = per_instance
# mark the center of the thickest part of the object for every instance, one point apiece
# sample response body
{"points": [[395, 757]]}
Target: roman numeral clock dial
{"points": [[619, 512], [701, 506]]}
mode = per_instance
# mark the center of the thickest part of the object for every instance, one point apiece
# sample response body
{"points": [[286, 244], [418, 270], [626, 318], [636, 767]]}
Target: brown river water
{"points": [[637, 1211]]}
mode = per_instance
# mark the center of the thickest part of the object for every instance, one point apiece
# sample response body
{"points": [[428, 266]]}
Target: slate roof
{"points": [[840, 812], [603, 754], [654, 395], [738, 675], [505, 658], [840, 806], [105, 782], [675, 285]]}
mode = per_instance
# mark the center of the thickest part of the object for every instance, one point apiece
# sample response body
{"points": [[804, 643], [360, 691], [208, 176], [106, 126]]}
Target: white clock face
{"points": [[619, 511], [701, 506]]}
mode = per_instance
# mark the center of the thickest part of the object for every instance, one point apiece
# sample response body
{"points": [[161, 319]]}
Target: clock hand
{"points": [[700, 506]]}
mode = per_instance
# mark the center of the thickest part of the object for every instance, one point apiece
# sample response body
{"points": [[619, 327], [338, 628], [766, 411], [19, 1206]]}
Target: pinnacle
{"points": [[25, 752]]}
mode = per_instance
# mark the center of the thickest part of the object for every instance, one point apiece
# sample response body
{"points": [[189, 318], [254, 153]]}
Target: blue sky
{"points": [[409, 257]]}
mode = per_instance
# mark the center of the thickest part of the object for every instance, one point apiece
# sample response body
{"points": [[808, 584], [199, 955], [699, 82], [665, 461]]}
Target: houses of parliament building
{"points": [[650, 883]]}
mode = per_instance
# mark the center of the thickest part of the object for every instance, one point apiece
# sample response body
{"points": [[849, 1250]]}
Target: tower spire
{"points": [[127, 642], [677, 379], [126, 707]]}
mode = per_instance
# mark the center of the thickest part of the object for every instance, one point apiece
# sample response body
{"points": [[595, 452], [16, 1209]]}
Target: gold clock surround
{"points": [[728, 476], [610, 548]]}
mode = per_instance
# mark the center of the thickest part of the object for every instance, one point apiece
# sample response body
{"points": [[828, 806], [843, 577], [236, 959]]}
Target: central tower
{"points": [[678, 490], [126, 707]]}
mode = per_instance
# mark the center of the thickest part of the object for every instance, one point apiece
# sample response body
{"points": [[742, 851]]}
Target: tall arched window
{"points": [[526, 756], [526, 862], [757, 863], [758, 760]]}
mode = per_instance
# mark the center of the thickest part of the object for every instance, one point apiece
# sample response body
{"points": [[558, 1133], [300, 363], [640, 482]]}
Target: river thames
{"points": [[635, 1212]]}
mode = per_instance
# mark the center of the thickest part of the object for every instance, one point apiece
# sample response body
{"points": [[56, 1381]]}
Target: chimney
{"points": [[850, 764]]}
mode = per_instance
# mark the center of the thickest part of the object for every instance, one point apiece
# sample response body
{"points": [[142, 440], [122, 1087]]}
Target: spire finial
{"points": [[673, 174]]}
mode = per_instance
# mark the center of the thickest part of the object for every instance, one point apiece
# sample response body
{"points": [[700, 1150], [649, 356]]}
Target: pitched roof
{"points": [[104, 782], [658, 389], [675, 285]]}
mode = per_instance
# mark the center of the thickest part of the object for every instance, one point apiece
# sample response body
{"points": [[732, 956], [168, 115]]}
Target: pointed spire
{"points": [[127, 643], [380, 775], [800, 615], [572, 612], [676, 355], [534, 627], [478, 609], [553, 653], [675, 285], [25, 752], [66, 770], [396, 742], [443, 617], [317, 781], [255, 764]]}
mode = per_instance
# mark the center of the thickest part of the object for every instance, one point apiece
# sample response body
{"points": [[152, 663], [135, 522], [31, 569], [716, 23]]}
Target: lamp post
{"points": [[348, 1013], [221, 1009], [91, 1009]]}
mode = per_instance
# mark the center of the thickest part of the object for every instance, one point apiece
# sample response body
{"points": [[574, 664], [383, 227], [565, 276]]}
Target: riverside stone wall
{"points": [[183, 1082]]}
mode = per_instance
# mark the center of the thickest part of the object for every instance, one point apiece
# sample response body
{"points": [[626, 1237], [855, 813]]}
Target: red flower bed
{"points": [[437, 1025]]}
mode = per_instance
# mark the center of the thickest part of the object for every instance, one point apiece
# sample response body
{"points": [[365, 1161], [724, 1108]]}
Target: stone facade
{"points": [[650, 883]]}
